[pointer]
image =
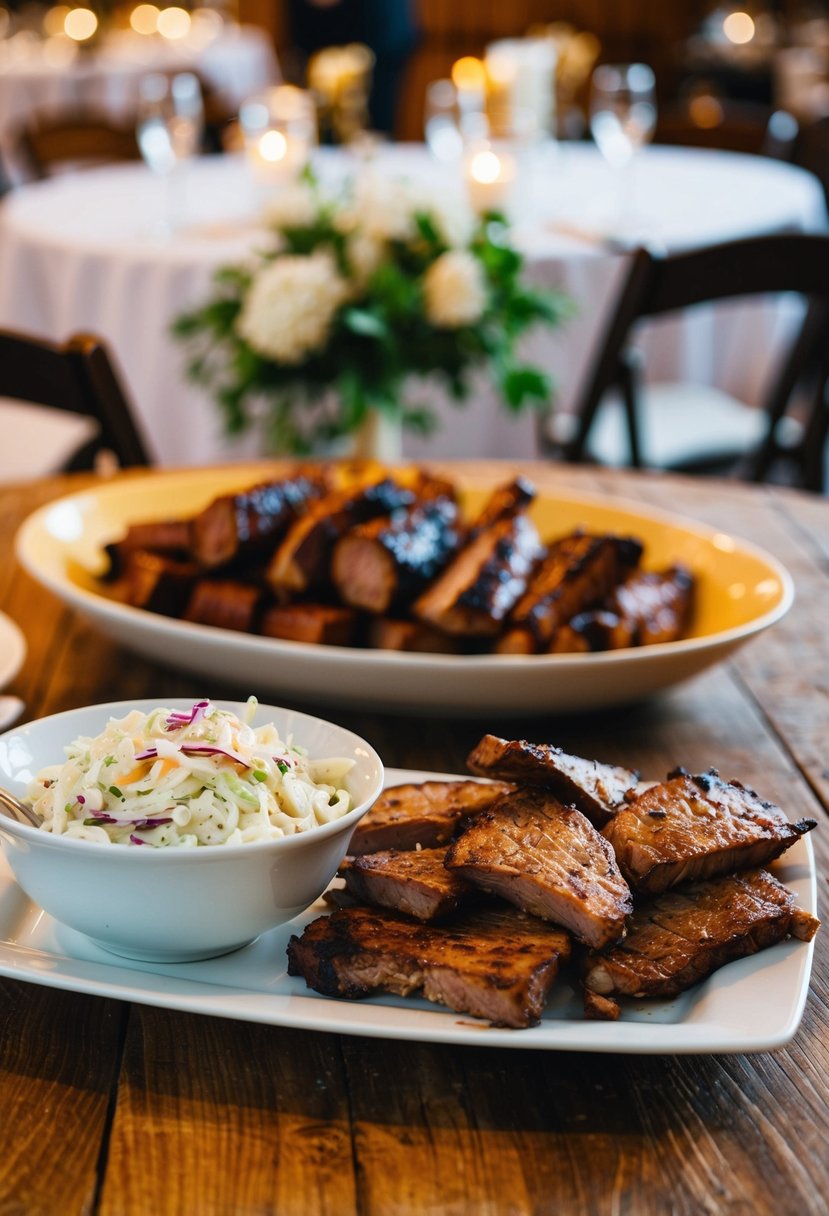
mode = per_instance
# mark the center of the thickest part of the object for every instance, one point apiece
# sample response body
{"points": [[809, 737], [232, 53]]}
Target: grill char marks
{"points": [[427, 814], [677, 938], [390, 560], [549, 860], [647, 608], [241, 526], [596, 789], [415, 883], [577, 573], [496, 964], [691, 828], [301, 562]]}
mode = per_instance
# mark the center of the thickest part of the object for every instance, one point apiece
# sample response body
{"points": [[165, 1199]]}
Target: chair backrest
{"points": [[705, 121], [80, 138], [659, 284], [812, 151], [77, 377]]}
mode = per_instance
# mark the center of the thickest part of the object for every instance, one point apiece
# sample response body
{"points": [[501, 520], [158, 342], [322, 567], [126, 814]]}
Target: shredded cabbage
{"points": [[173, 779]]}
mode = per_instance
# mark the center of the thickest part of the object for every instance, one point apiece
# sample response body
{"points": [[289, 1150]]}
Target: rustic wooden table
{"points": [[107, 1107]]}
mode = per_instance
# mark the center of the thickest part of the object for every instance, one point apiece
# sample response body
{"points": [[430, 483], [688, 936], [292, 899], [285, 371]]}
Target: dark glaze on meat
{"points": [[549, 860], [648, 607], [689, 828], [598, 790], [496, 964], [240, 526], [677, 938]]}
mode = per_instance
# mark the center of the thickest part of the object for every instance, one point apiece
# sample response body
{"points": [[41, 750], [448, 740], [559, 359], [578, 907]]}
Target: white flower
{"points": [[364, 255], [294, 206], [384, 208], [451, 216], [454, 290], [289, 307]]}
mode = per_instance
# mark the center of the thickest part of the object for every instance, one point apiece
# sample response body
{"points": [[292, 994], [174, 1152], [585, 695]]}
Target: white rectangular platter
{"points": [[754, 1004]]}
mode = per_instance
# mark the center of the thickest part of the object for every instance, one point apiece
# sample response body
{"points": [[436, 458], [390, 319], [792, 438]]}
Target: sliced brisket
{"points": [[425, 814]]}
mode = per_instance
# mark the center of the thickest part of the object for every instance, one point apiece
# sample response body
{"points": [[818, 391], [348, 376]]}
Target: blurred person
{"points": [[388, 27]]}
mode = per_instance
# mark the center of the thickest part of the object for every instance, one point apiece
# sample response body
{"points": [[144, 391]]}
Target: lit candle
{"points": [[279, 127], [521, 74], [469, 79], [490, 178]]}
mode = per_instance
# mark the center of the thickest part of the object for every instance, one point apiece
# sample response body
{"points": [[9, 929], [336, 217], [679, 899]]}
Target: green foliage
{"points": [[381, 337]]}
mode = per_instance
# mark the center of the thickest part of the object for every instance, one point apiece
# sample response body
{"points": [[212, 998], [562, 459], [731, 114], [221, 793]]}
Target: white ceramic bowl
{"points": [[177, 905]]}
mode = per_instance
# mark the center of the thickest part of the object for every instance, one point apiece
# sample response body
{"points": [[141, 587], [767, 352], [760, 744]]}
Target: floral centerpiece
{"points": [[352, 300]]}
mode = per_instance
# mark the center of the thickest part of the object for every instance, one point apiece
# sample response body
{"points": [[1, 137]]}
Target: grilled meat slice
{"points": [[168, 537], [577, 573], [426, 814], [549, 860], [302, 560], [324, 624], [245, 525], [496, 964], [647, 607], [690, 828], [225, 603], [598, 790], [384, 633], [157, 583], [679, 937], [505, 502], [476, 592], [416, 883], [390, 560]]}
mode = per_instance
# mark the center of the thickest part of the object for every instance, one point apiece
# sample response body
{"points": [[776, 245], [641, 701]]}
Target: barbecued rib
{"points": [[647, 607], [679, 937], [390, 560], [416, 883], [166, 537], [596, 789], [323, 624], [578, 572], [157, 582], [549, 860], [224, 603], [477, 591], [301, 562], [425, 814], [496, 964], [690, 828], [384, 633], [247, 524]]}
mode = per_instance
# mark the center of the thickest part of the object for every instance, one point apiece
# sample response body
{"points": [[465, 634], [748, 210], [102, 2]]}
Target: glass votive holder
{"points": [[490, 171], [279, 129]]}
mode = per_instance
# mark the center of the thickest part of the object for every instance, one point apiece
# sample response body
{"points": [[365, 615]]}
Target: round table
{"points": [[45, 77], [80, 253]]}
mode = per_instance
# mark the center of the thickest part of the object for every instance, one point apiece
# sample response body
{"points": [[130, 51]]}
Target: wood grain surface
{"points": [[123, 1109]]}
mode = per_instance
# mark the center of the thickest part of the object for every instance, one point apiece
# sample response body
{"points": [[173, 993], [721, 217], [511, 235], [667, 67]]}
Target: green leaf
{"points": [[366, 323]]}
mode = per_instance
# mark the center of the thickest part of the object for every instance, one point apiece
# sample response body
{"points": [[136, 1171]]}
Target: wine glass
{"points": [[169, 129], [622, 119], [442, 122]]}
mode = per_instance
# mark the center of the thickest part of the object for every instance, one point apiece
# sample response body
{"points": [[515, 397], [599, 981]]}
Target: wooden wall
{"points": [[650, 30]]}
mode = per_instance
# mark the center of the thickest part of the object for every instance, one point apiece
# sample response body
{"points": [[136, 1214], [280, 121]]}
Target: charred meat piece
{"points": [[427, 814], [477, 591], [169, 537], [496, 964], [390, 560], [302, 561], [578, 572], [225, 603], [691, 828], [240, 526], [416, 883], [598, 790], [384, 633], [324, 624], [645, 608], [505, 502], [549, 860], [679, 937], [157, 583]]}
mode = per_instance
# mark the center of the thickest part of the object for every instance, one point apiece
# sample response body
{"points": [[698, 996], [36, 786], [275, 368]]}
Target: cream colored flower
{"points": [[289, 307], [454, 290], [294, 206], [364, 255]]}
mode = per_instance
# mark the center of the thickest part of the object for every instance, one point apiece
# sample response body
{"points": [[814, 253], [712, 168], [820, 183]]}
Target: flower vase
{"points": [[379, 437]]}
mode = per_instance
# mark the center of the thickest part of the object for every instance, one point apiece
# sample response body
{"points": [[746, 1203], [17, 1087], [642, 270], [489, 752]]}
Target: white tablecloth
{"points": [[79, 253]]}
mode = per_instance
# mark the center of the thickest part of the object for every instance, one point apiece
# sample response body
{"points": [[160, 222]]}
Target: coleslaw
{"points": [[186, 779]]}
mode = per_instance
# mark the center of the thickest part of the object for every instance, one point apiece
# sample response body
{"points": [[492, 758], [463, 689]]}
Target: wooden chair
{"points": [[647, 426], [707, 121], [812, 151], [80, 139], [66, 407]]}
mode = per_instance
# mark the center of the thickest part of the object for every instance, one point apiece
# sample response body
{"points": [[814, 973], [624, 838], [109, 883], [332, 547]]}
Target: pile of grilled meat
{"points": [[359, 557], [475, 894]]}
